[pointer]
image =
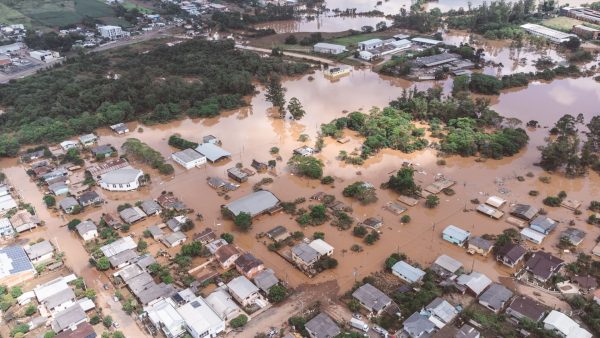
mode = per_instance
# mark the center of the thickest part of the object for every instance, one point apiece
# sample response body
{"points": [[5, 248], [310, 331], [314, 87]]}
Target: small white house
{"points": [[111, 32], [364, 55], [189, 158], [322, 247], [87, 230]]}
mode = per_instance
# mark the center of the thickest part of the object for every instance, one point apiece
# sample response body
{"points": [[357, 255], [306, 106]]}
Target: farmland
{"points": [[52, 13]]}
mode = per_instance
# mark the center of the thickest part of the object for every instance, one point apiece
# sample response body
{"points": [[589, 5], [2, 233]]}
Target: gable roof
{"points": [[40, 249], [543, 223], [448, 263], [496, 295], [322, 326], [266, 279], [475, 281], [242, 287], [254, 204], [416, 325], [212, 152], [371, 297], [481, 243], [13, 260], [247, 262], [411, 273], [305, 252], [225, 252], [85, 227], [527, 307], [543, 265], [511, 251]]}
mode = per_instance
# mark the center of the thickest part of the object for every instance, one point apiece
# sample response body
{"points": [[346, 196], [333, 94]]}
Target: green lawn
{"points": [[53, 13], [142, 9], [561, 23], [11, 16], [353, 40]]}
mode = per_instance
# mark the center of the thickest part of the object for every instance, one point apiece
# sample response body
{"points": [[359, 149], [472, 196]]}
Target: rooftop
{"points": [[188, 155], [212, 152], [456, 232], [543, 264], [322, 326], [118, 246], [242, 287], [305, 252], [199, 316], [496, 295], [122, 176], [322, 247], [254, 204], [13, 260], [410, 272], [372, 297], [85, 227], [448, 263], [528, 307], [247, 262], [475, 281], [266, 279], [40, 249]]}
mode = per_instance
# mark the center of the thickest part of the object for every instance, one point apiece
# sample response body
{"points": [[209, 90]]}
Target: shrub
{"points": [[533, 193], [238, 321], [432, 201], [327, 180], [405, 219]]}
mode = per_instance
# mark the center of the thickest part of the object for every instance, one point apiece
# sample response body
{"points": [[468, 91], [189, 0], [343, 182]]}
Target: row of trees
{"points": [[86, 93], [565, 150]]}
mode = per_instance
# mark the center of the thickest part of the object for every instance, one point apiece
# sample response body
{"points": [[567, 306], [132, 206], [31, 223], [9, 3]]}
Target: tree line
{"points": [[195, 78]]}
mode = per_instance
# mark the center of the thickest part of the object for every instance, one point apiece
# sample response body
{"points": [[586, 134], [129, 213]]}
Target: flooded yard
{"points": [[250, 132]]}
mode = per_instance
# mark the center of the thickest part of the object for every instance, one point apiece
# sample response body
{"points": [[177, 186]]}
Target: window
{"points": [[120, 186]]}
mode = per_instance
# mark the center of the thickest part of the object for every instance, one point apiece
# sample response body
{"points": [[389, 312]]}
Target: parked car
{"points": [[381, 331]]}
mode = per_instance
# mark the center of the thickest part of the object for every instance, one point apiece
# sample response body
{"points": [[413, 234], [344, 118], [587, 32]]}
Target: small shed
{"points": [[489, 211], [532, 236], [495, 202]]}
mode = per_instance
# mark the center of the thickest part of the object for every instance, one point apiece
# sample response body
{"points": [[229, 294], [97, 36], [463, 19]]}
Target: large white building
{"points": [[548, 33], [328, 48], [124, 179], [189, 158], [111, 32], [44, 55], [200, 319]]}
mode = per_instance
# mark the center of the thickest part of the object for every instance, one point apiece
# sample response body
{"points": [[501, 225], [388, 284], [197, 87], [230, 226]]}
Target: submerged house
{"points": [[455, 235]]}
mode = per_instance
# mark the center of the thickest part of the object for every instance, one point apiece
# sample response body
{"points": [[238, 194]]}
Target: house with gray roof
{"points": [[150, 207], [189, 158], [59, 188], [118, 246], [475, 282], [69, 318], [372, 298], [479, 245], [574, 235], [40, 252], [242, 289], [407, 272], [89, 198], [222, 303], [524, 211], [212, 152], [322, 326], [254, 204], [417, 326], [440, 312], [176, 223], [104, 150], [69, 204], [495, 297], [60, 300], [265, 280], [132, 215], [174, 239], [156, 232], [304, 255], [87, 230], [123, 258], [446, 266], [455, 235], [88, 139], [543, 224], [467, 331]]}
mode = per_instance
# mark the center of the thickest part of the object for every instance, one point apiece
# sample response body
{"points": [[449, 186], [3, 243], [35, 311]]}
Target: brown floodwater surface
{"points": [[324, 23], [250, 132]]}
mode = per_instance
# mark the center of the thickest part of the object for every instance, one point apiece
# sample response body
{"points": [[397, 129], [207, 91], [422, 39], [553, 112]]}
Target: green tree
{"points": [[485, 84], [49, 200], [107, 321], [295, 108], [319, 235], [432, 201], [238, 321], [277, 293], [103, 264], [227, 237], [276, 94], [307, 166], [30, 310], [49, 334], [403, 182], [16, 291], [192, 249], [243, 220], [142, 245]]}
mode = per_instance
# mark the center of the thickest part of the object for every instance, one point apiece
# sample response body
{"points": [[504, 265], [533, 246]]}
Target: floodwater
{"points": [[394, 6], [250, 132], [324, 23]]}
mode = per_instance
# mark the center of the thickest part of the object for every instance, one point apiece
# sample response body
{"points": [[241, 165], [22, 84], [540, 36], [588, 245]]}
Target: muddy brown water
{"points": [[250, 132], [324, 23]]}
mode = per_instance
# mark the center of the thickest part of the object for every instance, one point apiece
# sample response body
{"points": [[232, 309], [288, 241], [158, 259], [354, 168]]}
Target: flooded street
{"points": [[250, 132]]}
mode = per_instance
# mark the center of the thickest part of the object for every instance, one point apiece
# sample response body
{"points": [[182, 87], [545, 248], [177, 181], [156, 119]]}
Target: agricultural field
{"points": [[353, 40], [52, 13], [141, 6]]}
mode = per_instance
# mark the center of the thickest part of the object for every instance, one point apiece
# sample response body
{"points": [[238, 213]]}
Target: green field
{"points": [[54, 13], [141, 9], [353, 40], [565, 24]]}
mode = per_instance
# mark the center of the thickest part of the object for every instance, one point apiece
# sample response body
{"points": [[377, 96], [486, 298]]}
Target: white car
{"points": [[381, 331], [115, 325], [357, 316]]}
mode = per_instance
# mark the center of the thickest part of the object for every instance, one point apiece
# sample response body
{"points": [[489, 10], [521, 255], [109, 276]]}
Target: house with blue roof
{"points": [[456, 235], [15, 266], [543, 224], [407, 272]]}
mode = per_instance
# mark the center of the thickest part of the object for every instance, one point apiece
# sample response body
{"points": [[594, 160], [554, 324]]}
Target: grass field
{"points": [[142, 9], [53, 13], [11, 16], [561, 23], [353, 40]]}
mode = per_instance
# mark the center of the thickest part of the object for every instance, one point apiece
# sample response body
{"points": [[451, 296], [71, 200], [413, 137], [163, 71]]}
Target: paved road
{"points": [[159, 33], [290, 54]]}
